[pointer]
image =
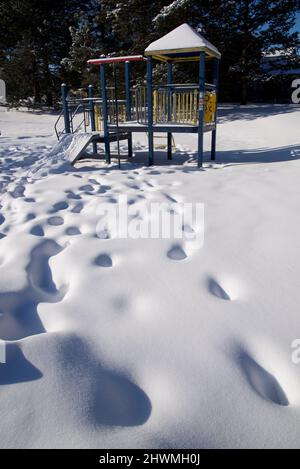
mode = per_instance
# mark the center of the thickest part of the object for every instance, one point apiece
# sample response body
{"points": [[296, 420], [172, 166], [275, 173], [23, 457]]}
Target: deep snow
{"points": [[117, 343]]}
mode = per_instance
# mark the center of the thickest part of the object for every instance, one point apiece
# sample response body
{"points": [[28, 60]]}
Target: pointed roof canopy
{"points": [[181, 44]]}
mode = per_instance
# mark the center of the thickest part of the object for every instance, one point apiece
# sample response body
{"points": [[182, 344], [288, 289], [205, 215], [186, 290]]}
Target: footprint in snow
{"points": [[77, 208], [37, 230], [226, 288], [63, 205], [30, 216], [103, 189], [215, 289], [107, 397], [87, 188], [154, 173], [55, 221], [103, 260], [73, 231], [176, 253], [262, 381]]}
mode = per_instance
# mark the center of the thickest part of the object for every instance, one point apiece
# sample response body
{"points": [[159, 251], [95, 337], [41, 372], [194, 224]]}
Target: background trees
{"points": [[43, 43], [34, 37], [244, 32]]}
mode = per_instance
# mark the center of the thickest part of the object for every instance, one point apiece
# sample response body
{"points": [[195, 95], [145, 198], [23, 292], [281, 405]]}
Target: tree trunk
{"points": [[244, 58], [36, 90], [244, 90], [36, 82], [48, 83]]}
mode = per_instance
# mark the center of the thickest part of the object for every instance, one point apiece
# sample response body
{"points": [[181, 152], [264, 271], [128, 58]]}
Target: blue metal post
{"points": [[216, 83], [92, 115], [169, 82], [201, 105], [150, 111], [64, 95], [105, 112], [128, 104]]}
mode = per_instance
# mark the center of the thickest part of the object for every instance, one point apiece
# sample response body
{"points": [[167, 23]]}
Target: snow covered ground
{"points": [[119, 342]]}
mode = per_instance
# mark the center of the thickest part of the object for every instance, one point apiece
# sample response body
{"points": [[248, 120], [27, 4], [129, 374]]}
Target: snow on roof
{"points": [[181, 41]]}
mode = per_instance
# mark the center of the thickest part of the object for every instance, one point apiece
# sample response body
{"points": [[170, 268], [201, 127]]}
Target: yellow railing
{"points": [[98, 118], [184, 106], [111, 115]]}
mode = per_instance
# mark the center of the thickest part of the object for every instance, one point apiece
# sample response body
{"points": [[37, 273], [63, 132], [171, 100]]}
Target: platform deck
{"points": [[134, 126]]}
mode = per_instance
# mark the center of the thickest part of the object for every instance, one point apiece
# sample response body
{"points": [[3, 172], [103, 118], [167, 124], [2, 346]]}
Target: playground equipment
{"points": [[155, 109]]}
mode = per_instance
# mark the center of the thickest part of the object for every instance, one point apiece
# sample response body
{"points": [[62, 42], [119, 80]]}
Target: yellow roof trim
{"points": [[161, 57], [167, 52]]}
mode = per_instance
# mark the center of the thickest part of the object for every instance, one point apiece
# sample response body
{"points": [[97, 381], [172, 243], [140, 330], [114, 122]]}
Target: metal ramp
{"points": [[71, 147], [66, 152]]}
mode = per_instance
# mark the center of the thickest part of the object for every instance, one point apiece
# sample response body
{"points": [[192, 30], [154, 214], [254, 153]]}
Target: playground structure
{"points": [[155, 109]]}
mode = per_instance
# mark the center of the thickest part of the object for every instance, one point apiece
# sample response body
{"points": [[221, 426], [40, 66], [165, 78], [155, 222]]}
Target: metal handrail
{"points": [[72, 116], [58, 134]]}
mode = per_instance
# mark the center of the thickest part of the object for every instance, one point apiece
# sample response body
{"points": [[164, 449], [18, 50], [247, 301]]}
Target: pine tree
{"points": [[109, 28], [38, 38], [243, 31]]}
